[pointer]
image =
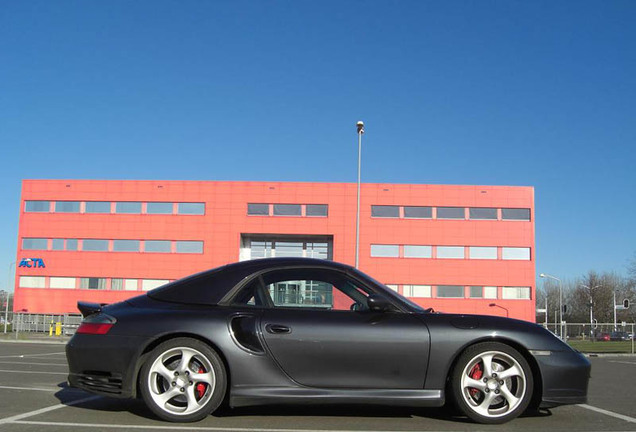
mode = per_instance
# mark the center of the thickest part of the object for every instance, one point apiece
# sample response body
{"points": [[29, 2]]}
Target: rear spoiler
{"points": [[88, 308]]}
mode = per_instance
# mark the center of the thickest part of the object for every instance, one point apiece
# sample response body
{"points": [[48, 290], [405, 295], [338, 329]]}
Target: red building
{"points": [[465, 249]]}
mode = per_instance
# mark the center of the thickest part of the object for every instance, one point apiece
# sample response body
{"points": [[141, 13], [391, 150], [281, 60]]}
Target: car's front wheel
{"points": [[492, 383], [183, 380]]}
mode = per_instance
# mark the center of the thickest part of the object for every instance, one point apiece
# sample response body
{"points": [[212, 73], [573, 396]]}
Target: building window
{"points": [[287, 210], [289, 249], [126, 245], [383, 211], [62, 282], [417, 291], [130, 284], [123, 284], [93, 283], [476, 292], [35, 244], [191, 208], [116, 284], [157, 246], [487, 292], [37, 206], [483, 252], [159, 208], [450, 252], [490, 292], [479, 213], [258, 209], [58, 244], [515, 293], [148, 284], [67, 207], [450, 213], [32, 282], [318, 250], [418, 212], [71, 244], [255, 247], [450, 291], [97, 207], [412, 251], [392, 287], [515, 214], [382, 251], [95, 245], [321, 210], [515, 253], [261, 249], [128, 207], [189, 247]]}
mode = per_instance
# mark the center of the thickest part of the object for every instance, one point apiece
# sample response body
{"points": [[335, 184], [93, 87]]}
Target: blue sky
{"points": [[539, 93]]}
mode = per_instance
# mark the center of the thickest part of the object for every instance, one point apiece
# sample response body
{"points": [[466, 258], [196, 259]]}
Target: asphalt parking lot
{"points": [[34, 397]]}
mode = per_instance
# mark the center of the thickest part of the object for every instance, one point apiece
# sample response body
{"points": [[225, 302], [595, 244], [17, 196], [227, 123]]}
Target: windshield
{"points": [[412, 305]]}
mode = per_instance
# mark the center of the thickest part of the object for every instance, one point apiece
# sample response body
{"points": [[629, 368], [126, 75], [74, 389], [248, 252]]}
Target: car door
{"points": [[319, 341]]}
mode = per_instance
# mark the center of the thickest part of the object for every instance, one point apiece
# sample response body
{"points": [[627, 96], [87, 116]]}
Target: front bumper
{"points": [[565, 376], [104, 364]]}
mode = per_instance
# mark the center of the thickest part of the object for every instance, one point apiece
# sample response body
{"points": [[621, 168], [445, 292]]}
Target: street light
{"points": [[545, 275], [591, 308], [496, 305], [6, 308], [360, 127]]}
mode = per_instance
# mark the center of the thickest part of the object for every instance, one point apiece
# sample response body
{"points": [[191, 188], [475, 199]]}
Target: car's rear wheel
{"points": [[183, 380], [492, 383]]}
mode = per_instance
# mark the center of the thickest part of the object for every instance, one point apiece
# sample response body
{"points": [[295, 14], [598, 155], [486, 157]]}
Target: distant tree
{"points": [[550, 290], [631, 270]]}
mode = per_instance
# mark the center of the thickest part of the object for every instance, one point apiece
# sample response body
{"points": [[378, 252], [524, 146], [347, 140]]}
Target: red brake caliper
{"points": [[200, 387], [476, 374]]}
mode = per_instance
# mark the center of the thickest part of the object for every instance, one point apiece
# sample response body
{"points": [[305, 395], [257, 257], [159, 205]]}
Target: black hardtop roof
{"points": [[190, 290]]}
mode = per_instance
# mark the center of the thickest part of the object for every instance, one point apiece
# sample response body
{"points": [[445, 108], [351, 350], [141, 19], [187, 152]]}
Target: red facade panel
{"points": [[226, 220]]}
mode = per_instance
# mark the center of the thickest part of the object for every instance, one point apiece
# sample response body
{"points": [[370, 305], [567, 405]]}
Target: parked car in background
{"points": [[619, 336], [603, 337]]}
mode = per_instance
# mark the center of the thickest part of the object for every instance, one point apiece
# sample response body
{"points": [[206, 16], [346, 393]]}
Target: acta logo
{"points": [[32, 263]]}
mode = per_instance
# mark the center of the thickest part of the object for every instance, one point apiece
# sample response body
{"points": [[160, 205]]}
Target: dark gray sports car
{"points": [[295, 330]]}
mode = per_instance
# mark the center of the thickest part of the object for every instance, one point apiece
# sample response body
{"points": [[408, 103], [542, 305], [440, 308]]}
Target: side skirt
{"points": [[249, 396]]}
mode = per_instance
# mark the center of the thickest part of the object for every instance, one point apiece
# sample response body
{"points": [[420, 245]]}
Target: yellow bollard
{"points": [[58, 329], [51, 329]]}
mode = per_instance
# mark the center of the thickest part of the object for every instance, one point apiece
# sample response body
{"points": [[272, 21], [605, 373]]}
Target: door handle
{"points": [[277, 329]]}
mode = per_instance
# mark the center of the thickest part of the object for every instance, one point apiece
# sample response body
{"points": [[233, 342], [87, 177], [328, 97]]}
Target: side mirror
{"points": [[378, 303]]}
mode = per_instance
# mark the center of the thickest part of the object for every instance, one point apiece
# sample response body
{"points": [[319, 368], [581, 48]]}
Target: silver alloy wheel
{"points": [[493, 384], [181, 381]]}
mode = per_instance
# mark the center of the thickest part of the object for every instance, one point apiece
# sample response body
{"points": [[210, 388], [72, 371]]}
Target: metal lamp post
{"points": [[360, 126], [501, 307], [6, 309], [591, 308], [614, 304], [545, 275]]}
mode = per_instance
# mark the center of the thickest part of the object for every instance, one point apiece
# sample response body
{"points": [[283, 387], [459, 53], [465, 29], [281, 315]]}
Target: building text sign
{"points": [[32, 263]]}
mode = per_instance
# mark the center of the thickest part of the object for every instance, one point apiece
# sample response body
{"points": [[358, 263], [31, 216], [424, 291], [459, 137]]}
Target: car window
{"points": [[305, 288]]}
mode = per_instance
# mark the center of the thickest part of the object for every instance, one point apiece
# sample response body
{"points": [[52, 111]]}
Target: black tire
{"points": [[497, 397], [183, 380]]}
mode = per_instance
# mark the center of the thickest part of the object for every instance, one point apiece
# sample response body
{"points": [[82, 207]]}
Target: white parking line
{"points": [[182, 427], [609, 413], [34, 372], [52, 389], [622, 362], [32, 355], [15, 418], [39, 364]]}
